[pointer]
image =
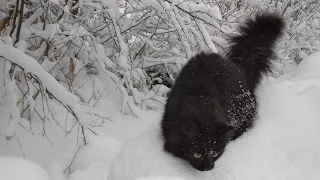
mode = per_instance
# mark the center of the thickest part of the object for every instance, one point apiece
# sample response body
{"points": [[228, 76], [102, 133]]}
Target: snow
{"points": [[283, 139], [214, 11], [30, 65], [122, 119], [315, 24], [152, 3], [92, 154], [161, 178], [175, 20], [112, 5], [144, 157], [282, 144], [206, 36], [12, 168], [55, 2], [109, 52], [9, 112]]}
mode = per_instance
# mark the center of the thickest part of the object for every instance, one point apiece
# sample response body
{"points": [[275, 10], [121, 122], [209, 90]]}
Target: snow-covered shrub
{"points": [[68, 53], [137, 47]]}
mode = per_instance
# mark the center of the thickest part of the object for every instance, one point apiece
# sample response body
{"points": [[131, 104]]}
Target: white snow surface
{"points": [[283, 144], [161, 178], [12, 168]]}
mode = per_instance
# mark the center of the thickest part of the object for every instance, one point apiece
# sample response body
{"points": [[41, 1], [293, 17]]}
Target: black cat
{"points": [[213, 101]]}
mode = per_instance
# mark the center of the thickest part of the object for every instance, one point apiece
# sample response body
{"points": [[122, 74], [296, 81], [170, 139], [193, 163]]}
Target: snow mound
{"points": [[93, 160], [144, 157], [96, 171], [161, 178], [12, 168], [283, 144], [100, 148]]}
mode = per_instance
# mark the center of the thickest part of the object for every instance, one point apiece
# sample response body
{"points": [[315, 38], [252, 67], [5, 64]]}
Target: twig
{"points": [[20, 21], [72, 160], [15, 17]]}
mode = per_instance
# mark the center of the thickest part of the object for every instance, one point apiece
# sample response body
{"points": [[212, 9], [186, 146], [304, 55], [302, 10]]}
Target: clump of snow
{"points": [[152, 3], [12, 168], [22, 45], [55, 2], [214, 11]]}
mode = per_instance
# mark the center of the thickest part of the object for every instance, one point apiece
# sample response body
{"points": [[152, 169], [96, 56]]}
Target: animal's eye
{"points": [[197, 155], [213, 153]]}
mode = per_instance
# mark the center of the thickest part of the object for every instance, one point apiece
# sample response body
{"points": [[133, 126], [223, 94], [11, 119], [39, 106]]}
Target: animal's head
{"points": [[194, 129]]}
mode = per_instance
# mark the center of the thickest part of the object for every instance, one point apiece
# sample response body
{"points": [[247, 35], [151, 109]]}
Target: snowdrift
{"points": [[12, 168]]}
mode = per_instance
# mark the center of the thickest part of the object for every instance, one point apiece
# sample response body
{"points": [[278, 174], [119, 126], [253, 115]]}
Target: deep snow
{"points": [[283, 144], [12, 168]]}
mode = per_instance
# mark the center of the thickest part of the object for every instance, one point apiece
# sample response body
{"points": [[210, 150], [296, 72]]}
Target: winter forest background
{"points": [[69, 69]]}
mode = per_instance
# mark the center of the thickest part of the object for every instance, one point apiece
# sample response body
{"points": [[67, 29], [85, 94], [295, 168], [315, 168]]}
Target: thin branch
{"points": [[20, 21]]}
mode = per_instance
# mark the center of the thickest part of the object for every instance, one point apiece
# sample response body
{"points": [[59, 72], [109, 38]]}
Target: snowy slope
{"points": [[282, 145], [12, 168]]}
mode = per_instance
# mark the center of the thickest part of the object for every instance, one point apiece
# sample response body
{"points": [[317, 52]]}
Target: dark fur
{"points": [[213, 101]]}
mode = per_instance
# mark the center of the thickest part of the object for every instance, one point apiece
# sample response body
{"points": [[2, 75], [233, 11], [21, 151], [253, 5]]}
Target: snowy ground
{"points": [[284, 143]]}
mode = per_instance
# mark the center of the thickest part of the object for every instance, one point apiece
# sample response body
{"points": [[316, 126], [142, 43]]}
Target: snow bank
{"points": [[19, 169], [161, 178], [144, 157], [100, 148]]}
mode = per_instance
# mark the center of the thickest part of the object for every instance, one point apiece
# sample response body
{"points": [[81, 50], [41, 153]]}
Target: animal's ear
{"points": [[190, 130], [226, 128]]}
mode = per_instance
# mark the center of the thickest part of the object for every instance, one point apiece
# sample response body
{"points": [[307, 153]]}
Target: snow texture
{"points": [[161, 178], [12, 168]]}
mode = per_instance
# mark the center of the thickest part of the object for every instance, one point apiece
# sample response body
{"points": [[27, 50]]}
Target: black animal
{"points": [[212, 101]]}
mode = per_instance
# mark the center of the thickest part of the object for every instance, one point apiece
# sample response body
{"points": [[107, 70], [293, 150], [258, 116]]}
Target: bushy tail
{"points": [[252, 49]]}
